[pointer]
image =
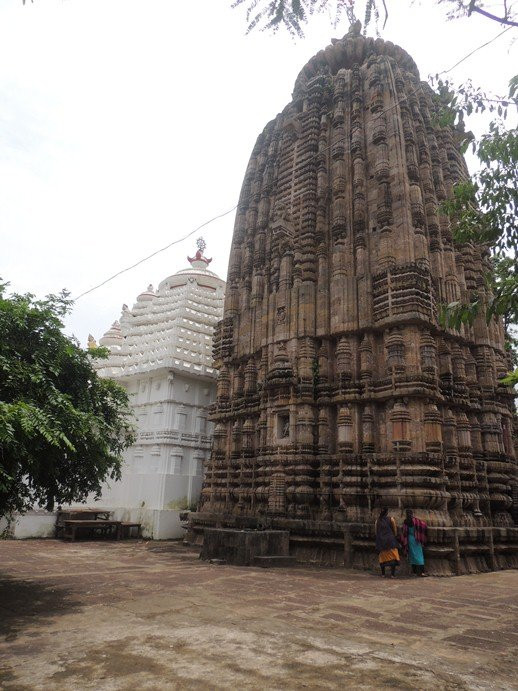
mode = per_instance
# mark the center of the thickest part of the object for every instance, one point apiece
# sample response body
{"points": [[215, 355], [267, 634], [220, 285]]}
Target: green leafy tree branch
{"points": [[484, 209], [293, 15], [63, 428]]}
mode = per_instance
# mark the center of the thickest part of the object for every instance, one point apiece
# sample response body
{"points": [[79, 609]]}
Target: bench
{"points": [[104, 528], [82, 514]]}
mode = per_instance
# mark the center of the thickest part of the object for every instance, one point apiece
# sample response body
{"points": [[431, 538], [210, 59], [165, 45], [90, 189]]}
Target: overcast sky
{"points": [[124, 124]]}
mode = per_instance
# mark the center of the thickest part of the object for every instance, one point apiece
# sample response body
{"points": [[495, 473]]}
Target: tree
{"points": [[62, 428], [484, 209], [293, 14]]}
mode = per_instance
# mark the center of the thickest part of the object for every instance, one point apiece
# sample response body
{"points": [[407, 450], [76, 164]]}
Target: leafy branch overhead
{"points": [[293, 14], [484, 209], [63, 429], [271, 15]]}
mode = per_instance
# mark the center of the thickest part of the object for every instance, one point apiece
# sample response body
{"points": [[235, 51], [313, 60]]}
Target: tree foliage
{"points": [[62, 428], [271, 15], [484, 209], [501, 12], [292, 14]]}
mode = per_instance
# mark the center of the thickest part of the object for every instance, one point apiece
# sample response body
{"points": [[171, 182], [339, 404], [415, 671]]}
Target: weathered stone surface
{"points": [[242, 547], [142, 615], [338, 390]]}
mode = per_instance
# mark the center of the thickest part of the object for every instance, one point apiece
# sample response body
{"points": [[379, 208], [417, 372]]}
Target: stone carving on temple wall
{"points": [[330, 348]]}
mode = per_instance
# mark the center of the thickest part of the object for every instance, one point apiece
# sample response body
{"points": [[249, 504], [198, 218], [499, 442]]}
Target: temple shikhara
{"points": [[338, 390], [161, 351]]}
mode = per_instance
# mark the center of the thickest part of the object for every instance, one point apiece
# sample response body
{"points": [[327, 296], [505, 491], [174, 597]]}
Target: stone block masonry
{"points": [[338, 389], [242, 547]]}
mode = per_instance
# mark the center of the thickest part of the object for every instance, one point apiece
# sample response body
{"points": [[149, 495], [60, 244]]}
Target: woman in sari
{"points": [[413, 539], [386, 543]]}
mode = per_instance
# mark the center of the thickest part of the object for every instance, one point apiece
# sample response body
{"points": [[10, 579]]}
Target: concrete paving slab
{"points": [[142, 615]]}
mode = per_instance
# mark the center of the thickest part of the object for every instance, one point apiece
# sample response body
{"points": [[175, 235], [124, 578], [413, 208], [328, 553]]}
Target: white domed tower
{"points": [[161, 351]]}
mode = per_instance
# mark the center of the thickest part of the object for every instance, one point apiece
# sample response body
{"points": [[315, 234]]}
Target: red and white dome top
{"points": [[199, 261], [198, 271]]}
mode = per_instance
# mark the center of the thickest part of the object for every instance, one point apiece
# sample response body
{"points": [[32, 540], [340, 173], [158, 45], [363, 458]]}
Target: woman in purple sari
{"points": [[386, 543]]}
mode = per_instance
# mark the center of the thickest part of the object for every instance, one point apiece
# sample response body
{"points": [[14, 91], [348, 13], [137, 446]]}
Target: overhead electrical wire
{"points": [[319, 153], [153, 254], [477, 49]]}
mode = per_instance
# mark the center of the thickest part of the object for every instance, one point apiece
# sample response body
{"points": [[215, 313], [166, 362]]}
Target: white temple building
{"points": [[161, 351]]}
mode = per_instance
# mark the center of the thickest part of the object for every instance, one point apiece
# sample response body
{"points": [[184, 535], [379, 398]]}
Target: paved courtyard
{"points": [[143, 615]]}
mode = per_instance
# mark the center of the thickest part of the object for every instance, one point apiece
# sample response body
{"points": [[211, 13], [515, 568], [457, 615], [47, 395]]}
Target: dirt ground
{"points": [[147, 615]]}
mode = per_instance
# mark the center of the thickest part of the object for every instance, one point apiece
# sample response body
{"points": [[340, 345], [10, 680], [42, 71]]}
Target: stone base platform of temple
{"points": [[243, 547], [450, 551]]}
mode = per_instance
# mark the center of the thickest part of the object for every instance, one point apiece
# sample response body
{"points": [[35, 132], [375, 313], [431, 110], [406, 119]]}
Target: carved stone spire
{"points": [[330, 346]]}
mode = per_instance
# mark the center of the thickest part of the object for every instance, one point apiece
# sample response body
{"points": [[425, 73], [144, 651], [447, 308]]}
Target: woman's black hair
{"points": [[383, 512]]}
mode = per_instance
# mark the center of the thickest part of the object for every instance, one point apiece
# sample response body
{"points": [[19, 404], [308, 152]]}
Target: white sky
{"points": [[124, 124]]}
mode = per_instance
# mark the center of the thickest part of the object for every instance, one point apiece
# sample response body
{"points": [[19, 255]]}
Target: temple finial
{"points": [[199, 261], [355, 29]]}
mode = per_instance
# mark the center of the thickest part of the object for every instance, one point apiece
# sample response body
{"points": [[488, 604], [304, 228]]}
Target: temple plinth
{"points": [[338, 389]]}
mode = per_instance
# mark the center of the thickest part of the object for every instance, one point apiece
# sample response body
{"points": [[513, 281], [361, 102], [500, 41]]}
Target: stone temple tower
{"points": [[338, 390]]}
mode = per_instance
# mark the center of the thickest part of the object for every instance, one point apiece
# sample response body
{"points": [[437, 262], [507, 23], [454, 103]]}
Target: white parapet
{"points": [[36, 523]]}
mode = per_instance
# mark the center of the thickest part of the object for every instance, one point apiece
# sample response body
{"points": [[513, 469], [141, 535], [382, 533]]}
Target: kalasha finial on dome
{"points": [[199, 261], [355, 28]]}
